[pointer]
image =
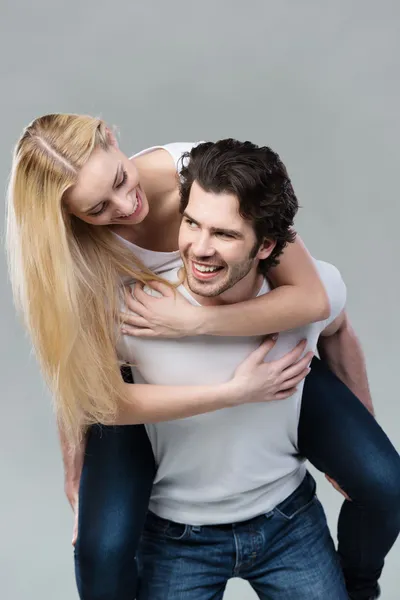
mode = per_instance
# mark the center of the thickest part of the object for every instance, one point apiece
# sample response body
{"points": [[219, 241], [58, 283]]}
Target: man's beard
{"points": [[224, 279]]}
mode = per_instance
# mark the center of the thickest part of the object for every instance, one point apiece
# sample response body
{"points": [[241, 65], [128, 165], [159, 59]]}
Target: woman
{"points": [[80, 215]]}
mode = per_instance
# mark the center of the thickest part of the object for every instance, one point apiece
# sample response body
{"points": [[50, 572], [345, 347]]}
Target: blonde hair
{"points": [[66, 274]]}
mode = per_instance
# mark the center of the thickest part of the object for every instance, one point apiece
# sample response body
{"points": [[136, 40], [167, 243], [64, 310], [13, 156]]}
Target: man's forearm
{"points": [[343, 353], [73, 463]]}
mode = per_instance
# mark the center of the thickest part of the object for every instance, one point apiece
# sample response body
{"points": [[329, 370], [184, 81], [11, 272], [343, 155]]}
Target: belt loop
{"points": [[196, 528]]}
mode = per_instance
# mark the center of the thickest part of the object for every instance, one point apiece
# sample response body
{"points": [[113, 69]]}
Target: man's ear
{"points": [[265, 249]]}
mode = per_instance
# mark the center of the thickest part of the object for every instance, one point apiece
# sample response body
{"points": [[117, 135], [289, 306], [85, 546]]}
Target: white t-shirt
{"points": [[235, 463]]}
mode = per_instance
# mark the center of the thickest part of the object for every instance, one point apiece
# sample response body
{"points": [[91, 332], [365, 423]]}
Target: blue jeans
{"points": [[336, 433], [286, 554]]}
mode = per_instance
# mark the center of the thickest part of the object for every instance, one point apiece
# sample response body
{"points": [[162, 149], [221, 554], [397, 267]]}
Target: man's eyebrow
{"points": [[89, 210], [186, 214], [232, 232]]}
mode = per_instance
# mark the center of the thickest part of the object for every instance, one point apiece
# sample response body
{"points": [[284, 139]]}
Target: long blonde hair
{"points": [[66, 274]]}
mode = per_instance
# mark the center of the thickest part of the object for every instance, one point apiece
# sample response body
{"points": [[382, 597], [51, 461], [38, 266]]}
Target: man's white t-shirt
{"points": [[236, 463]]}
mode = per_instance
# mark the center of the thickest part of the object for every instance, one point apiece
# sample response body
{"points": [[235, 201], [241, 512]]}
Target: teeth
{"points": [[134, 208], [204, 269]]}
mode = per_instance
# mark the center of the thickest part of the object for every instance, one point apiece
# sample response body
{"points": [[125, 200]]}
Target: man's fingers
{"points": [[75, 531], [292, 356], [337, 487]]}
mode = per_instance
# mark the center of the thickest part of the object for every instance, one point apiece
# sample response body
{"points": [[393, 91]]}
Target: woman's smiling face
{"points": [[108, 190]]}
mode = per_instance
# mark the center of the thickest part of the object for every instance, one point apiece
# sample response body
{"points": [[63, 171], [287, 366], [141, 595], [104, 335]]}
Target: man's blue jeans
{"points": [[286, 554], [336, 433]]}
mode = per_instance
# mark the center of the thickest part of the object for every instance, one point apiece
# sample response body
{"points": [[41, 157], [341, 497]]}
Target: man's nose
{"points": [[203, 246]]}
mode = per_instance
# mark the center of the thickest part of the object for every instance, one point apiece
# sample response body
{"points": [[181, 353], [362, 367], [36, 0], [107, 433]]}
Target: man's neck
{"points": [[245, 289]]}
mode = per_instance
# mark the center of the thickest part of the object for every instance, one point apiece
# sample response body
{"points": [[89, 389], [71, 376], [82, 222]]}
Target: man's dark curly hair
{"points": [[257, 177]]}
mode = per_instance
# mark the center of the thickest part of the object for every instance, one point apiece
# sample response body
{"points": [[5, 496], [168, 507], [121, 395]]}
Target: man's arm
{"points": [[339, 346], [73, 463]]}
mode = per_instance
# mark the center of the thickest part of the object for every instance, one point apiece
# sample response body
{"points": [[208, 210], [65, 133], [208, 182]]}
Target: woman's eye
{"points": [[102, 209], [123, 180]]}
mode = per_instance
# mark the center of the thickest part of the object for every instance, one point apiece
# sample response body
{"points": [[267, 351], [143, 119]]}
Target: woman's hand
{"points": [[169, 315], [261, 381]]}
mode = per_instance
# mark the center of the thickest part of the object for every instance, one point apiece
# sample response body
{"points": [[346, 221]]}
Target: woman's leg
{"points": [[114, 493], [115, 488], [342, 439]]}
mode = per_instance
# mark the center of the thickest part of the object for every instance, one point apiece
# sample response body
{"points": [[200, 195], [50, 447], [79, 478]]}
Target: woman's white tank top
{"points": [[159, 262]]}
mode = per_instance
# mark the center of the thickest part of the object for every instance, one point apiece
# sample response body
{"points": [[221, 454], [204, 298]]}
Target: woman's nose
{"points": [[123, 206]]}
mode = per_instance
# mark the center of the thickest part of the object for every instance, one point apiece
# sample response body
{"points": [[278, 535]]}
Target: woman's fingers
{"points": [[291, 357], [294, 381], [298, 367], [161, 287], [285, 394], [140, 332], [133, 320], [133, 304], [257, 356]]}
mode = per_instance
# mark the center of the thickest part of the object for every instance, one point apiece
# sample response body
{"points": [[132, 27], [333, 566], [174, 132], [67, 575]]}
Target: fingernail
{"points": [[274, 336]]}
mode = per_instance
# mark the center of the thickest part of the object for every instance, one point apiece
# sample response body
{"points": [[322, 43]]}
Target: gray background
{"points": [[316, 80]]}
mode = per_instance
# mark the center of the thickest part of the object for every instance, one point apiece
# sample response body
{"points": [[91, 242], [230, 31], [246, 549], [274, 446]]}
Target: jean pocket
{"points": [[155, 524], [177, 531], [299, 501], [158, 526]]}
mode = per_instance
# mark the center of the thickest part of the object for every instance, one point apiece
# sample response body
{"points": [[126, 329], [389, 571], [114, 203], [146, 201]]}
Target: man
{"points": [[231, 495]]}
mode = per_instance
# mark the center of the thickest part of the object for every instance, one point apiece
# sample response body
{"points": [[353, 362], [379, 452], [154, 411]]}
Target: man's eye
{"points": [[229, 236], [191, 224]]}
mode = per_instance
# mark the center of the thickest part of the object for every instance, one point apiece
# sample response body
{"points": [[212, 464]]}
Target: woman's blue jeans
{"points": [[337, 435]]}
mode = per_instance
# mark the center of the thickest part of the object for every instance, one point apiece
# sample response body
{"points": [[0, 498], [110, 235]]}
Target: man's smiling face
{"points": [[218, 247]]}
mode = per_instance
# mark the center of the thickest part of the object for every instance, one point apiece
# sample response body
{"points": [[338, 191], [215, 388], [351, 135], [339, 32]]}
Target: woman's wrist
{"points": [[198, 324], [232, 393]]}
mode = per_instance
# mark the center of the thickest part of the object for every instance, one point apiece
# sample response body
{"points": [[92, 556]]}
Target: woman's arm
{"points": [[298, 298], [254, 381]]}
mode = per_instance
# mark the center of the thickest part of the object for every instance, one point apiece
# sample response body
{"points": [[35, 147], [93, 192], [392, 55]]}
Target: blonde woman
{"points": [[83, 218]]}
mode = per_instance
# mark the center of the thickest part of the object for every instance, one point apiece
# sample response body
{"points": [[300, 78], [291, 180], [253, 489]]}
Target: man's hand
{"points": [[72, 493], [337, 487]]}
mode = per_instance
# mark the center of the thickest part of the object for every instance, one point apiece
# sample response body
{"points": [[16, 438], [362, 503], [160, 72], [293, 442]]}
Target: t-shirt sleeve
{"points": [[335, 289], [177, 149]]}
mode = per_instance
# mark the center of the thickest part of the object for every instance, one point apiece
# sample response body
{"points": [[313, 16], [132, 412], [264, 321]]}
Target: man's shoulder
{"points": [[335, 288]]}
